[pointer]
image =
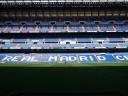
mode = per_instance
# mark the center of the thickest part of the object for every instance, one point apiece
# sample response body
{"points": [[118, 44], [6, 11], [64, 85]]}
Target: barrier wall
{"points": [[64, 58]]}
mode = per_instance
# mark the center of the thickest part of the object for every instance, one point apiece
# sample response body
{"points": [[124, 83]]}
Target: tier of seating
{"points": [[63, 46], [64, 43], [62, 26], [66, 39]]}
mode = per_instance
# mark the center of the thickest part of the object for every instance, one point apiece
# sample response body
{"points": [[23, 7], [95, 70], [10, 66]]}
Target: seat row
{"points": [[57, 29], [64, 39], [61, 22], [63, 46]]}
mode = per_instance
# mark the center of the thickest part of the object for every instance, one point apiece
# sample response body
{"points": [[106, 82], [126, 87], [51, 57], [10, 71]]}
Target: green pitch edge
{"points": [[62, 65]]}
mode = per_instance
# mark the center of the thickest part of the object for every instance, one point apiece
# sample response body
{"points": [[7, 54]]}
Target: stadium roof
{"points": [[60, 1], [62, 4]]}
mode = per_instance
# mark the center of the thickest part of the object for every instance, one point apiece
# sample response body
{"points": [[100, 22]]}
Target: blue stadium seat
{"points": [[74, 29], [55, 46], [92, 45], [33, 40], [59, 29], [20, 40], [100, 39], [123, 45], [109, 28], [1, 29], [10, 29], [125, 27], [24, 30], [103, 28], [16, 23], [30, 29], [91, 28], [59, 23], [120, 22], [5, 46], [30, 23], [43, 46], [1, 23], [51, 39], [115, 39], [75, 24], [44, 23], [9, 46], [15, 29], [46, 46], [36, 46], [110, 45], [77, 46], [26, 46], [120, 28], [84, 40], [44, 29]]}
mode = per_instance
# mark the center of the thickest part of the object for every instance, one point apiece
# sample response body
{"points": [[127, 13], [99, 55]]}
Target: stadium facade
{"points": [[63, 31]]}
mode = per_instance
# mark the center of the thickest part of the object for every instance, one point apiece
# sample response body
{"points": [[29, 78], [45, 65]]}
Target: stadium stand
{"points": [[63, 43], [43, 27], [39, 37], [63, 29]]}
